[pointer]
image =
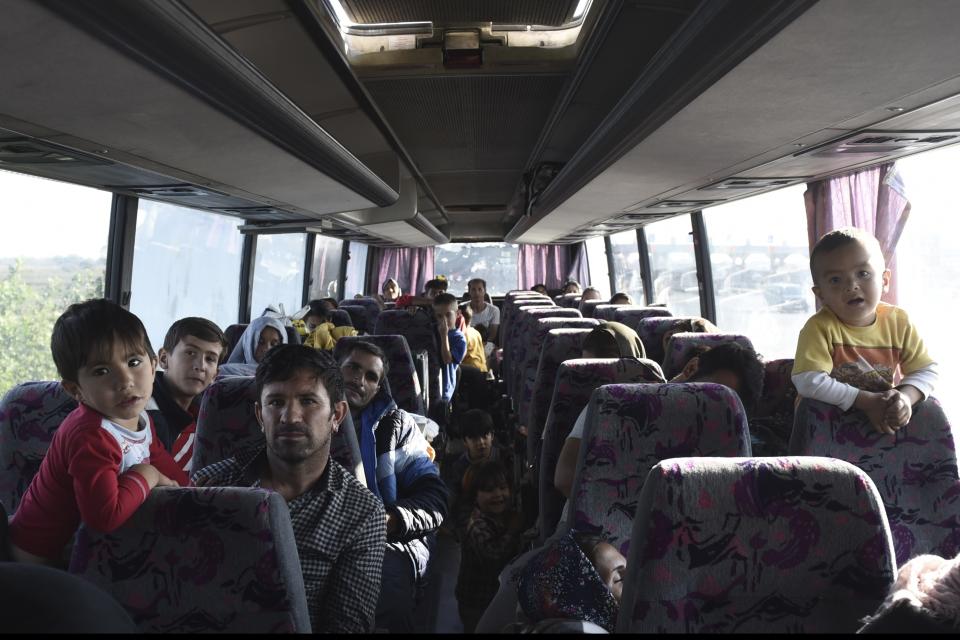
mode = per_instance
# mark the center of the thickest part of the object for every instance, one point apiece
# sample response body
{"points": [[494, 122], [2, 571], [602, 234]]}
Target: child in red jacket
{"points": [[105, 458]]}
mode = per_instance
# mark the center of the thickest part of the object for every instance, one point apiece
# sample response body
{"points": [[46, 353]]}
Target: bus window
{"points": [[674, 265], [357, 271], [928, 263], [53, 252], [325, 278], [761, 272], [186, 262], [495, 262], [626, 264], [599, 272], [278, 272]]}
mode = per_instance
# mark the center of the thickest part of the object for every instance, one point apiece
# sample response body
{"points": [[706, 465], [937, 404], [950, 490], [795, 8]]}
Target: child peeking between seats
{"points": [[106, 457], [858, 351]]}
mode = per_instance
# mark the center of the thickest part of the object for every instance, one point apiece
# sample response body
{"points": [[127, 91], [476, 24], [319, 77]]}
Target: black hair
{"points": [[837, 238], [475, 423], [317, 308], [483, 331], [436, 283], [621, 294], [87, 331], [480, 280], [284, 361], [467, 312], [371, 349], [484, 476], [445, 298], [745, 363], [332, 301], [601, 344], [200, 328], [539, 284]]}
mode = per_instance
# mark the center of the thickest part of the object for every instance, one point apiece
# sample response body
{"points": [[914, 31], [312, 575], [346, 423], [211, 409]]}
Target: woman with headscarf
{"points": [[261, 335]]}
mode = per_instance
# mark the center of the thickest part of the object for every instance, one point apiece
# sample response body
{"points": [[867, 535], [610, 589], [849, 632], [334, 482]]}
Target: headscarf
{"points": [[561, 582], [628, 342], [247, 344]]}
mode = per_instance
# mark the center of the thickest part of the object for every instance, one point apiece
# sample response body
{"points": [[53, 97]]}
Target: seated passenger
{"points": [[338, 526], [192, 351], [621, 298], [484, 314], [261, 335], [687, 325], [577, 577], [492, 537], [853, 352], [389, 291], [321, 332], [924, 599], [571, 286], [400, 472], [476, 356], [106, 457], [590, 293], [479, 445], [453, 344], [431, 290], [539, 288]]}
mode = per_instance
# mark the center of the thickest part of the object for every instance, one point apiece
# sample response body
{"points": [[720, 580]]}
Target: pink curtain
{"points": [[542, 264], [410, 267], [873, 199]]}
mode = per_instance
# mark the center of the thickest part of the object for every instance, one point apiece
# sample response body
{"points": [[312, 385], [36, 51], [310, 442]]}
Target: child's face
{"points": [[494, 500], [269, 338], [191, 366], [850, 281], [446, 313], [479, 448], [117, 386], [611, 565]]}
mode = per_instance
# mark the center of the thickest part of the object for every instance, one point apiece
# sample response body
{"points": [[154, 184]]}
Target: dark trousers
{"points": [[398, 589]]}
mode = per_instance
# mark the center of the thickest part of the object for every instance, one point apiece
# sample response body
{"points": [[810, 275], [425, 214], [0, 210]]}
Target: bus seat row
{"points": [[371, 311], [568, 300], [357, 316], [681, 347], [772, 418], [420, 332]]}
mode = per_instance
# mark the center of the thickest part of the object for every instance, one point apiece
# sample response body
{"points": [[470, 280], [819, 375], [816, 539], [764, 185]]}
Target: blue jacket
{"points": [[401, 474]]}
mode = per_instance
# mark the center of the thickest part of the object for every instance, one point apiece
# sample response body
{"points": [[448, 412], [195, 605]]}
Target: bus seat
{"points": [[512, 309], [30, 413], [404, 384], [587, 307], [759, 545], [632, 427], [227, 425], [340, 318], [371, 309], [420, 331], [509, 322], [576, 381], [522, 293], [772, 421], [234, 331], [571, 300], [358, 317], [632, 315], [530, 366], [915, 469], [210, 559], [681, 346], [519, 346], [606, 311], [652, 330]]}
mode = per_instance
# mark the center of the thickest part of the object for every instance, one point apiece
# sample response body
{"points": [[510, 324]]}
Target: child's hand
{"points": [[164, 481], [153, 476], [875, 405], [899, 410]]}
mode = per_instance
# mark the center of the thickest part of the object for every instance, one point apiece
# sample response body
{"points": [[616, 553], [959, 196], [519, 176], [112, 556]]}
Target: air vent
{"points": [[682, 204], [752, 183], [21, 152], [265, 214], [170, 191], [880, 143]]}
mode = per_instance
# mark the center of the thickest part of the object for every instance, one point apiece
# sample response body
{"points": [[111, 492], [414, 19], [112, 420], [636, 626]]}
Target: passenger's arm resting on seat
{"points": [[348, 605], [820, 386], [420, 508]]}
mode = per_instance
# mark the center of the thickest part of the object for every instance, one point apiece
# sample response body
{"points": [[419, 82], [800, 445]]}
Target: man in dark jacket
{"points": [[400, 471]]}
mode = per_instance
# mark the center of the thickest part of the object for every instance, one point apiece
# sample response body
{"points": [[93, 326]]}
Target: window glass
{"points": [[928, 263], [597, 261], [761, 273], [53, 252], [495, 262], [326, 268], [186, 262], [674, 265], [626, 264], [357, 271], [278, 273]]}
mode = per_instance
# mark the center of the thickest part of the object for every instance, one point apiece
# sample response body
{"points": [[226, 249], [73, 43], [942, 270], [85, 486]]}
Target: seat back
{"points": [[509, 321], [420, 331], [575, 382], [652, 330], [340, 318], [758, 545], [607, 311], [681, 346], [227, 425], [30, 413], [632, 427], [520, 347], [370, 307], [571, 300], [772, 421], [587, 307], [199, 560], [401, 371], [358, 317], [631, 315], [915, 469]]}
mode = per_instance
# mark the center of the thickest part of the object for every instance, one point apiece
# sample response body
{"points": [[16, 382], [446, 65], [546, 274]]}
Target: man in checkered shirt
{"points": [[339, 526]]}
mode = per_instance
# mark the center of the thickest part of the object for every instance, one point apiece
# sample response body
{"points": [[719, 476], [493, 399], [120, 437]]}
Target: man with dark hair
{"points": [[485, 314], [339, 526], [400, 471], [733, 365], [192, 352], [435, 287]]}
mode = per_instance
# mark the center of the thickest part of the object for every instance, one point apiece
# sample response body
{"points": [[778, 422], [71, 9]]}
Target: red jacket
{"points": [[78, 481]]}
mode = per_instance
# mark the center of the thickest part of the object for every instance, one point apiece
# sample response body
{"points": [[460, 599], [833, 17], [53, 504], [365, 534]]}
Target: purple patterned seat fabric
{"points": [[420, 331], [29, 415], [227, 425], [915, 469], [631, 315], [520, 346], [756, 545], [358, 317], [587, 307], [508, 328], [632, 427], [772, 421], [652, 329], [212, 559], [370, 307], [401, 372], [575, 382], [607, 311], [681, 345]]}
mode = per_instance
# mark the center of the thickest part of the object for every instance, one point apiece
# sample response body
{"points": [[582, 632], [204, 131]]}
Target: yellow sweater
{"points": [[325, 336]]}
